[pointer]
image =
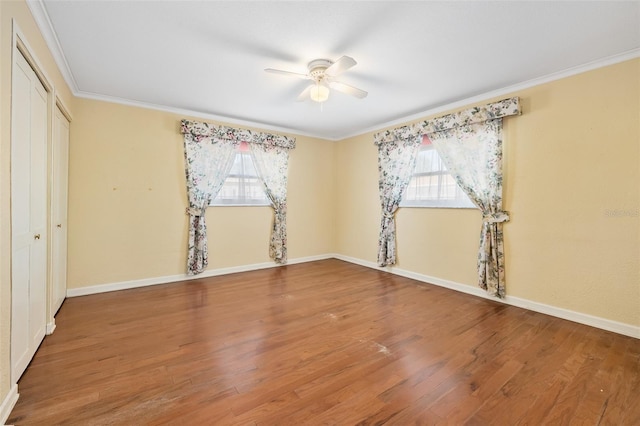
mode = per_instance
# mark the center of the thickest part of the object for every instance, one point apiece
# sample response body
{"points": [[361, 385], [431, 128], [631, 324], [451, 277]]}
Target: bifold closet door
{"points": [[60, 168], [28, 215]]}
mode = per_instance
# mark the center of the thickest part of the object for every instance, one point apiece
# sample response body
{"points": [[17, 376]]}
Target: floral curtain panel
{"points": [[396, 161], [473, 155], [209, 154], [470, 144], [271, 163], [208, 162]]}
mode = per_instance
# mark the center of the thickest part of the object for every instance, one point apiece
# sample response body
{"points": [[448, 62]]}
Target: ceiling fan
{"points": [[322, 72]]}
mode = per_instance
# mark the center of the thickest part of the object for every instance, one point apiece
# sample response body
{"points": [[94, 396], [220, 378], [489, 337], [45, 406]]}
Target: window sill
{"points": [[239, 205], [423, 206]]}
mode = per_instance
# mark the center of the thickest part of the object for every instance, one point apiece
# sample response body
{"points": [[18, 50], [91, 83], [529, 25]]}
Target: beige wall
{"points": [[571, 159], [18, 12], [424, 245], [572, 165], [127, 199]]}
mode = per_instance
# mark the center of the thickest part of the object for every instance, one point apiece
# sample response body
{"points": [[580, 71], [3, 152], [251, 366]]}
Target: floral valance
{"points": [[503, 108], [399, 133], [199, 130]]}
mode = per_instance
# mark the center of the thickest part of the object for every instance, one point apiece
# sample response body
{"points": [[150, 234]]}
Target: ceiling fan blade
{"points": [[340, 66], [305, 93], [287, 73], [349, 90]]}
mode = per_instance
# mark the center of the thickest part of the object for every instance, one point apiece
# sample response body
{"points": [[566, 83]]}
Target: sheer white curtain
{"points": [[473, 155], [208, 161], [272, 162]]}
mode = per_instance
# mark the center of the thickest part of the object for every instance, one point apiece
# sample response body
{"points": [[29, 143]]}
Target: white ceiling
{"points": [[207, 58]]}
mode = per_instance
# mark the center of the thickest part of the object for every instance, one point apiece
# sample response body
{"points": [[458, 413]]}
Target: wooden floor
{"points": [[322, 343]]}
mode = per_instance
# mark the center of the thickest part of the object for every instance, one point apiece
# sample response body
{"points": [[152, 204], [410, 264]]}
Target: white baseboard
{"points": [[593, 321], [8, 403], [51, 326], [125, 285]]}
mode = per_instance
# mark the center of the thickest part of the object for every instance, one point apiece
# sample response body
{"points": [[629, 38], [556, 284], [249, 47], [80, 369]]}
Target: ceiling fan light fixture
{"points": [[322, 72], [319, 93]]}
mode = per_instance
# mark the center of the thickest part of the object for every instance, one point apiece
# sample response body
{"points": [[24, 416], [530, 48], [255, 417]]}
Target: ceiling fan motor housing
{"points": [[318, 67]]}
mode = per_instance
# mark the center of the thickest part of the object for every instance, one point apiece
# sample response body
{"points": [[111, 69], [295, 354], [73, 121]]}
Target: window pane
{"points": [[448, 188], [253, 189], [242, 186], [248, 168], [230, 189], [429, 161], [431, 184], [236, 169], [423, 188]]}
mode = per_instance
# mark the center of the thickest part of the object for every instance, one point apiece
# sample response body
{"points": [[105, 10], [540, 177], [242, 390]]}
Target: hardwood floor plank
{"points": [[325, 342], [598, 389]]}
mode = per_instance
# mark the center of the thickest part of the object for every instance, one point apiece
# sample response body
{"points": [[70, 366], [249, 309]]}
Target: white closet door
{"points": [[60, 170], [28, 215]]}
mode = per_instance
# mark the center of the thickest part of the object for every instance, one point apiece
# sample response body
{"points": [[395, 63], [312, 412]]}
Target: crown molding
{"points": [[43, 22], [599, 63], [39, 12], [220, 119], [513, 89]]}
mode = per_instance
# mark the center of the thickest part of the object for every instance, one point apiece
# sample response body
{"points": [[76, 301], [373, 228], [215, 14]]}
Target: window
{"points": [[431, 185], [242, 187]]}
